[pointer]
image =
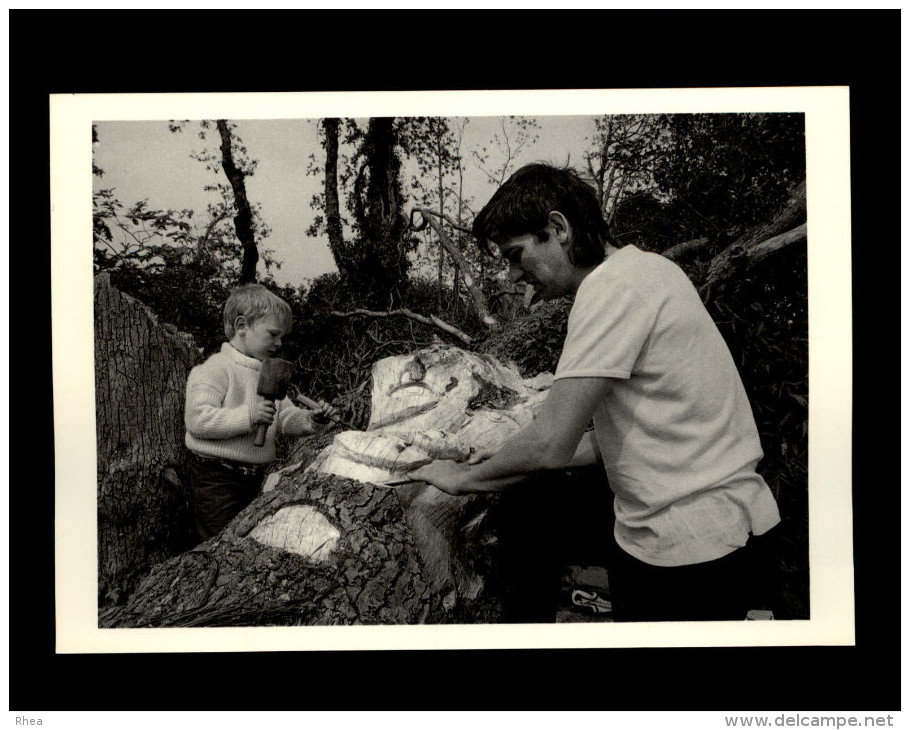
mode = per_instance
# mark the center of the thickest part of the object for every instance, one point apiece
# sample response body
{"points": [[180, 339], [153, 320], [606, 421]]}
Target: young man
{"points": [[672, 423]]}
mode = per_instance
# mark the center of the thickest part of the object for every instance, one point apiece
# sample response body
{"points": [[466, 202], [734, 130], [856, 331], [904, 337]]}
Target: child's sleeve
{"points": [[205, 415], [296, 421]]}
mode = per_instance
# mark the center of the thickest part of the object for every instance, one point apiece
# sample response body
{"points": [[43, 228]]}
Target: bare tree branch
{"points": [[431, 320], [477, 295], [675, 253]]}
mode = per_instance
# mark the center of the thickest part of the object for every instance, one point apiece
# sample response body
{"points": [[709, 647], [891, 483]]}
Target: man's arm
{"points": [[549, 442]]}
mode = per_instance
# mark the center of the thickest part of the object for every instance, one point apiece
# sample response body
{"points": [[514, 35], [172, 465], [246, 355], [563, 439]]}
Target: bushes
{"points": [[533, 340], [334, 355]]}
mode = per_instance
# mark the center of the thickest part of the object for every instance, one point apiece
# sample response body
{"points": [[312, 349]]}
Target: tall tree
{"points": [[624, 150], [243, 220], [179, 263], [430, 145], [232, 160], [380, 258], [332, 206], [372, 258]]}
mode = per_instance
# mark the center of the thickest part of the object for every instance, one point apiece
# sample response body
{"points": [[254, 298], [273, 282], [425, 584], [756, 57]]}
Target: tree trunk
{"points": [[379, 265], [332, 206], [243, 221], [140, 381]]}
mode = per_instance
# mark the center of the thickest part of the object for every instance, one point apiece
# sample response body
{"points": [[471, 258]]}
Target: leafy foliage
{"points": [[180, 266], [764, 319], [533, 340], [723, 173]]}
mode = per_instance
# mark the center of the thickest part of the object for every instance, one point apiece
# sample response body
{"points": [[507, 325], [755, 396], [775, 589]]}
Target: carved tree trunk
{"points": [[328, 542], [314, 548], [140, 380]]}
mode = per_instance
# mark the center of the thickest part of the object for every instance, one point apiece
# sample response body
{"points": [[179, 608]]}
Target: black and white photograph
{"points": [[454, 370]]}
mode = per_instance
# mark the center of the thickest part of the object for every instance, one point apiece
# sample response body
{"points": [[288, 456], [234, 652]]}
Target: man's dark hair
{"points": [[523, 205]]}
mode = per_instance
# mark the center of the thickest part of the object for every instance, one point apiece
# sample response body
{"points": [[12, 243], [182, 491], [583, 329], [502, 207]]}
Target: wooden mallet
{"points": [[273, 385]]}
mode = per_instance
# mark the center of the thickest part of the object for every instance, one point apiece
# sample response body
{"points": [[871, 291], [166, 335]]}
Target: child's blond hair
{"points": [[253, 301]]}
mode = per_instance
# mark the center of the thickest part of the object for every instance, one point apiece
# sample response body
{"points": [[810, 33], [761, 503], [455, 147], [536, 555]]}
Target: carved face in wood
{"points": [[437, 403]]}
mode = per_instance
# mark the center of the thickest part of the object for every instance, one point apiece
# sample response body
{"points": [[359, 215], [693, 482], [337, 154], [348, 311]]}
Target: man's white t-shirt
{"points": [[676, 431]]}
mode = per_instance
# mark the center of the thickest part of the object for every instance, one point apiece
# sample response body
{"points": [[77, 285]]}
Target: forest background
{"points": [[387, 204]]}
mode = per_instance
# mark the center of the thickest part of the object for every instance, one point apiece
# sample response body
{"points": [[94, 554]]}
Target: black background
{"points": [[193, 51]]}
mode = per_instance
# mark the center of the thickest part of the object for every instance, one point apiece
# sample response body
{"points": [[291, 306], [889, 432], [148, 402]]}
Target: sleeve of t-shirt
{"points": [[608, 326]]}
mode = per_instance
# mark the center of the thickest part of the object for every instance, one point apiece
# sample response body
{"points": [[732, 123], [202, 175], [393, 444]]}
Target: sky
{"points": [[143, 160]]}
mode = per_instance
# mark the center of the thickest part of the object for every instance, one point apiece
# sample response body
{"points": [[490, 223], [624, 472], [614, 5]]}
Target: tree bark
{"points": [[140, 380], [243, 221], [361, 555], [733, 261], [364, 568]]}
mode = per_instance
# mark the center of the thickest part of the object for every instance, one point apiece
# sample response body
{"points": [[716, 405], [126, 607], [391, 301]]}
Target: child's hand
{"points": [[264, 412], [323, 413]]}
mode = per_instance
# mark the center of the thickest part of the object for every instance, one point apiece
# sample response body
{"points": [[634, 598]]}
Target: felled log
{"points": [[734, 259], [315, 550], [330, 544]]}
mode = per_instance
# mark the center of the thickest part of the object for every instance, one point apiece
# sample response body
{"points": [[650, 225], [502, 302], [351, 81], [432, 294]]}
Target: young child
{"points": [[223, 410]]}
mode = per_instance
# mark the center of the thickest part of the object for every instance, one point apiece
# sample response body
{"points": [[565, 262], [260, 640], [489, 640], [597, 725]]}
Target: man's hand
{"points": [[479, 454], [446, 476]]}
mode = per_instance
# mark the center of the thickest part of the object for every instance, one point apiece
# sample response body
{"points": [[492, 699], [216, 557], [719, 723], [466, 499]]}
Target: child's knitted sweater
{"points": [[220, 394]]}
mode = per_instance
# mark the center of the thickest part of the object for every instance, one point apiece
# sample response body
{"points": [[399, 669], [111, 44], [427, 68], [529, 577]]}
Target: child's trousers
{"points": [[221, 489]]}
